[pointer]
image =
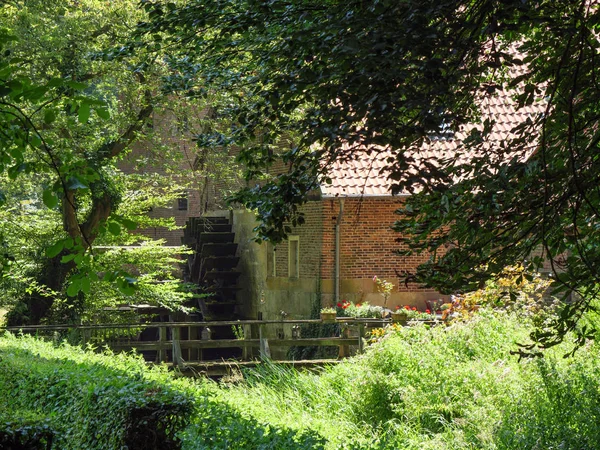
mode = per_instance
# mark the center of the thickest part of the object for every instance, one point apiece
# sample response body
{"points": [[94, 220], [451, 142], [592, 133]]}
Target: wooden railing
{"points": [[175, 338]]}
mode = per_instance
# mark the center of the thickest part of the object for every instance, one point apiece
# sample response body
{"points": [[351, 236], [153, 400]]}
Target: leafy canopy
{"points": [[72, 110], [313, 82]]}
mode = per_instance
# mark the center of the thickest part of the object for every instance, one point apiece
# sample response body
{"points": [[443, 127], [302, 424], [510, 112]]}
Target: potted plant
{"points": [[400, 315], [328, 314]]}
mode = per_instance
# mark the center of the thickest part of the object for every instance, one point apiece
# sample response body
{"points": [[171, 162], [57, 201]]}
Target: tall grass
{"points": [[439, 388]]}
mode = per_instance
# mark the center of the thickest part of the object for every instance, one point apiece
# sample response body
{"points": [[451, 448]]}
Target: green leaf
{"points": [[103, 113], [114, 228], [49, 198], [84, 112], [85, 285], [129, 224], [67, 258], [76, 85], [55, 249], [78, 258], [74, 288], [49, 116]]}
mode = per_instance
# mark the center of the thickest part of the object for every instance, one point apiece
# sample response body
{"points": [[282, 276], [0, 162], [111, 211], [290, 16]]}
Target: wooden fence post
{"points": [[361, 335], [344, 350], [175, 336], [162, 338], [265, 351], [247, 335]]}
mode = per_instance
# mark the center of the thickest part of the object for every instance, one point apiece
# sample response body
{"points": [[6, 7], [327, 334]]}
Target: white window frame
{"points": [[291, 240], [272, 257]]}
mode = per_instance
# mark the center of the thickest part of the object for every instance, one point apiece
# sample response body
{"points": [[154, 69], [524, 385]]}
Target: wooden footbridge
{"points": [[184, 345]]}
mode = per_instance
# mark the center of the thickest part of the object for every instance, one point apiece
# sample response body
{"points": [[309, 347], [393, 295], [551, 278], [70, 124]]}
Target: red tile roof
{"points": [[367, 174]]}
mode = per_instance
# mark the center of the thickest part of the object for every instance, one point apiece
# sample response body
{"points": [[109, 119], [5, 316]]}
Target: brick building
{"points": [[347, 238]]}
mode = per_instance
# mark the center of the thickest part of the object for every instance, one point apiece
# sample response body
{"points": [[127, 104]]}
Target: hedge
{"points": [[94, 401], [22, 430]]}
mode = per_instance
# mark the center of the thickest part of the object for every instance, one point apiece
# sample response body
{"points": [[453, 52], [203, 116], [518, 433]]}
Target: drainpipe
{"points": [[338, 251]]}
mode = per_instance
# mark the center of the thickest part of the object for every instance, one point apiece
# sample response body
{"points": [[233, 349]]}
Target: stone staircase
{"points": [[212, 267]]}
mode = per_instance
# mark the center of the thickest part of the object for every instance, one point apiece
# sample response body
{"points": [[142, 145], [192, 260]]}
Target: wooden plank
{"points": [[319, 342], [361, 336], [233, 343], [265, 350], [340, 320]]}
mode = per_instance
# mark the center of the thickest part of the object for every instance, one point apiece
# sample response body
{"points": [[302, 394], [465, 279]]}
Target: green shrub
{"points": [[94, 401], [219, 426], [25, 431], [455, 387]]}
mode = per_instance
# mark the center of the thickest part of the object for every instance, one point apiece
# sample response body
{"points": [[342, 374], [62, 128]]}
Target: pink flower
{"points": [[375, 278]]}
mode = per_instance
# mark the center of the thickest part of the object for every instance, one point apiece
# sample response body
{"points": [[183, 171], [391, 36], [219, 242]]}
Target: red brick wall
{"points": [[366, 240]]}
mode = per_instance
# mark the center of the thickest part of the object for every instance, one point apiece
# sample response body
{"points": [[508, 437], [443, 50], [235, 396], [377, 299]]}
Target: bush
{"points": [[455, 387], [94, 401], [25, 431], [219, 426]]}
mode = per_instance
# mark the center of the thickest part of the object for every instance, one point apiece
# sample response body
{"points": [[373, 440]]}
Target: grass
{"points": [[438, 388], [423, 388]]}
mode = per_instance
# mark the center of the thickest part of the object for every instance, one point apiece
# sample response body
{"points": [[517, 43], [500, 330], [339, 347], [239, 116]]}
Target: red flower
{"points": [[427, 311], [358, 305], [407, 308], [339, 305], [414, 308], [397, 306], [345, 305]]}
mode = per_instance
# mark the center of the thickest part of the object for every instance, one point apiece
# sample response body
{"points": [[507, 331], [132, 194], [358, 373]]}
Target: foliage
{"points": [[364, 310], [108, 401], [312, 83], [25, 431], [328, 310], [70, 116], [413, 313], [93, 401], [420, 387], [513, 289], [219, 426]]}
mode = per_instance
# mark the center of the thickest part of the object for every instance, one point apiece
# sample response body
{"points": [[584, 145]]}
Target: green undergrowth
{"points": [[78, 399], [24, 430], [92, 400], [454, 387]]}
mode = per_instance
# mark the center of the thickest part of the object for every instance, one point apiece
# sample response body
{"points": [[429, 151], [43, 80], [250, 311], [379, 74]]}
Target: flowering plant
{"points": [[328, 310], [359, 310], [413, 313], [385, 287]]}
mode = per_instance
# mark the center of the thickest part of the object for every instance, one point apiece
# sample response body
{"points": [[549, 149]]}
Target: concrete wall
{"points": [[260, 292]]}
